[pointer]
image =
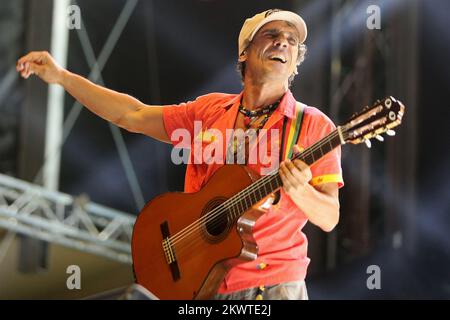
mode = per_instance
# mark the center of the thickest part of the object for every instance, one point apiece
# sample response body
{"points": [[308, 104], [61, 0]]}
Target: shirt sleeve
{"points": [[328, 168], [179, 121]]}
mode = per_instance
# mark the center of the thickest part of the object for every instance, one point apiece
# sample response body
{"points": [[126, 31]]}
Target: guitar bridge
{"points": [[169, 251]]}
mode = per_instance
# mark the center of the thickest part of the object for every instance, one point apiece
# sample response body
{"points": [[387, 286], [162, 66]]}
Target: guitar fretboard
{"points": [[264, 186]]}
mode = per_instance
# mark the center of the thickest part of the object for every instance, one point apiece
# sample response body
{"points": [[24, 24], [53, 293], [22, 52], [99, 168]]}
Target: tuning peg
{"points": [[368, 143], [379, 138], [388, 103], [390, 133]]}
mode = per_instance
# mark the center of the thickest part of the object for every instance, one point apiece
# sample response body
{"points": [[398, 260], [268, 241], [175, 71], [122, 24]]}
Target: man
{"points": [[270, 49]]}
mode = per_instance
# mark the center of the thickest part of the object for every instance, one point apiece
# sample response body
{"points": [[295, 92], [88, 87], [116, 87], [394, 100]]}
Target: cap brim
{"points": [[284, 16]]}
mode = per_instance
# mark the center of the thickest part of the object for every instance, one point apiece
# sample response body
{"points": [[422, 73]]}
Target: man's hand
{"points": [[320, 204], [295, 175], [41, 64]]}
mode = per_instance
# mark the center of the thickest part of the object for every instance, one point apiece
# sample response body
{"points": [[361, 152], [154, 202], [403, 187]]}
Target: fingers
{"points": [[23, 69], [294, 174], [296, 149], [288, 184], [289, 175], [26, 72], [304, 170], [300, 165], [290, 171], [30, 69], [32, 57]]}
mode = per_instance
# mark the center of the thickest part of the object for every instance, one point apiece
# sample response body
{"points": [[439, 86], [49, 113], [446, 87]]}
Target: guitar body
{"points": [[206, 252]]}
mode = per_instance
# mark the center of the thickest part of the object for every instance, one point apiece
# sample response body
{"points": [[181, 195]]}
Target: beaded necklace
{"points": [[250, 116]]}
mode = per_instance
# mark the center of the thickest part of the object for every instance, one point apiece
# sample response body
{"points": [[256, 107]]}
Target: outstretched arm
{"points": [[118, 108]]}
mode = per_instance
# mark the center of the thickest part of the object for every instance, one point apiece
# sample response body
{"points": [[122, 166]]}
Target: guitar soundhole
{"points": [[216, 221]]}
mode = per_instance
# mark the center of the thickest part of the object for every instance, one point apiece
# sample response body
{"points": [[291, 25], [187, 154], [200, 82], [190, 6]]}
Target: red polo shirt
{"points": [[282, 245]]}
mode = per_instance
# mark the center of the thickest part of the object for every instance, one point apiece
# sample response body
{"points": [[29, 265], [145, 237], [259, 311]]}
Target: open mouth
{"points": [[278, 58]]}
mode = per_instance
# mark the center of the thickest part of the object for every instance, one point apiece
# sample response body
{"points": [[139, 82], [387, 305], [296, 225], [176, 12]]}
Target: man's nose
{"points": [[281, 41]]}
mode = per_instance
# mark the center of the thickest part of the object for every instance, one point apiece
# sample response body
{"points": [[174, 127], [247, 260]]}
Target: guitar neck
{"points": [[268, 184]]}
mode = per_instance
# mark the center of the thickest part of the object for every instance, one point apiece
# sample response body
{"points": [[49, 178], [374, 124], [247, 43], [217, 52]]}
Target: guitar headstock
{"points": [[373, 121]]}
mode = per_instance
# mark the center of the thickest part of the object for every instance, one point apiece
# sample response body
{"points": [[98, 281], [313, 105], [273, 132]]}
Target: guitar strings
{"points": [[237, 198], [178, 247]]}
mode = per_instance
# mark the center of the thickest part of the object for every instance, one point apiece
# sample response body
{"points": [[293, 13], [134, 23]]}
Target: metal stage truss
{"points": [[59, 218], [55, 217]]}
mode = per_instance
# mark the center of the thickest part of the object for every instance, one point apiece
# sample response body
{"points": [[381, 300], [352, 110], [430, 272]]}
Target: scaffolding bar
{"points": [[59, 218]]}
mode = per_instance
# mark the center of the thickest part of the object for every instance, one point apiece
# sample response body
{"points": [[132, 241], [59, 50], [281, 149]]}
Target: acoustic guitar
{"points": [[183, 244]]}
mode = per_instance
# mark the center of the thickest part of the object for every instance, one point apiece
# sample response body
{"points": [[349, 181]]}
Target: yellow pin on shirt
{"points": [[206, 136]]}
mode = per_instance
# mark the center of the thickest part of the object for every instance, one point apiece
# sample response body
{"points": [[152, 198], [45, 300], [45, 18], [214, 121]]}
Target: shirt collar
{"points": [[286, 107]]}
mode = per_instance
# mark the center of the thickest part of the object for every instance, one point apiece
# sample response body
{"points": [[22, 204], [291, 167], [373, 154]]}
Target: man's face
{"points": [[273, 52]]}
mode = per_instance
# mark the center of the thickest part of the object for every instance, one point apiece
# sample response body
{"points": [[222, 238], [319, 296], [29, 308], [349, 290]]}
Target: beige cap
{"points": [[253, 24]]}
